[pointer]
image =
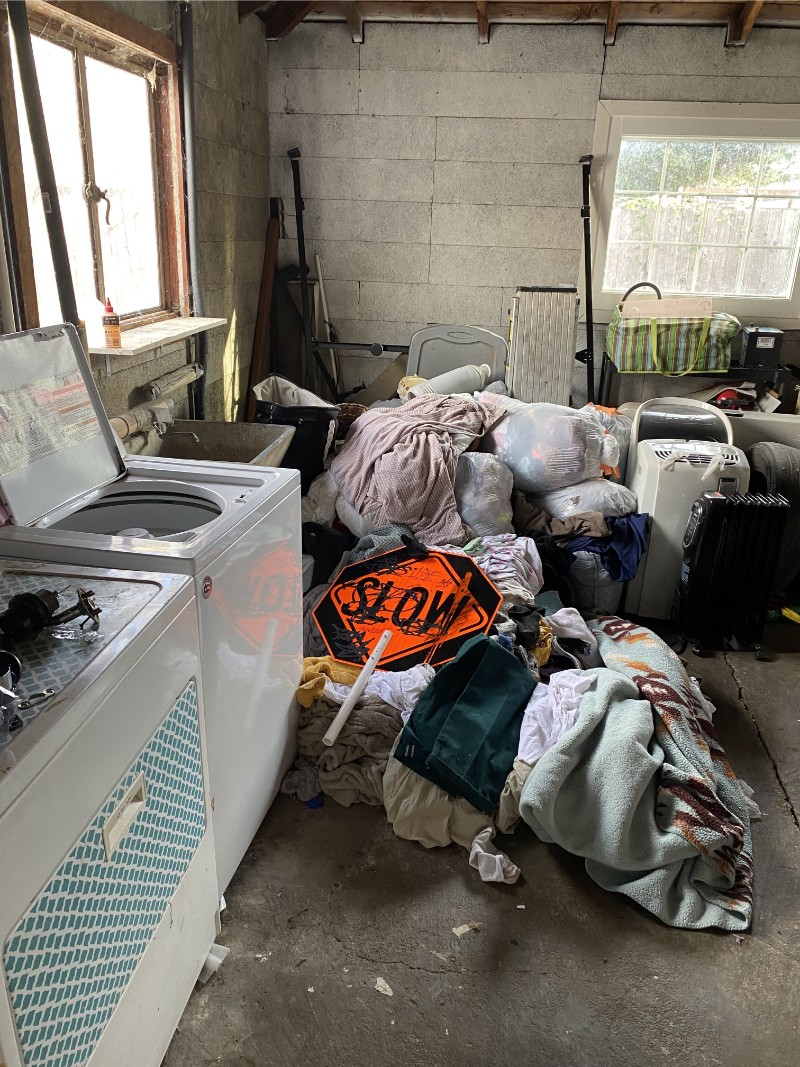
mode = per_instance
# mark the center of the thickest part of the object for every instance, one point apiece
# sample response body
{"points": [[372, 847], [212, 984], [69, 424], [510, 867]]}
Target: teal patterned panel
{"points": [[69, 959]]}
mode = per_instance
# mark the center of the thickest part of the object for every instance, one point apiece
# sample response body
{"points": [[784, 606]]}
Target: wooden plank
{"points": [[676, 12], [260, 359], [249, 7], [170, 198], [355, 21], [611, 23], [742, 23], [482, 14], [16, 180], [102, 21], [156, 335], [282, 18]]}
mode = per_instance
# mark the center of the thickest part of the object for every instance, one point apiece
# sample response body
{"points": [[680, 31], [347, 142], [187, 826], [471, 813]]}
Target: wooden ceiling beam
{"points": [[249, 7], [355, 21], [670, 12], [742, 23], [611, 22], [280, 19], [482, 15]]}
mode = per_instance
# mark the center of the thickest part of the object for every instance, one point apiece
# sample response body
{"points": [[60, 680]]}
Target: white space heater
{"points": [[667, 477]]}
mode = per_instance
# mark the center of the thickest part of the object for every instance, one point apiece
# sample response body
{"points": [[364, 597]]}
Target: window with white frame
{"points": [[700, 201]]}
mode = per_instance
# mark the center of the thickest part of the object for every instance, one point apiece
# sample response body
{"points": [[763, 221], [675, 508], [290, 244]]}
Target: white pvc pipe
{"points": [[359, 685]]}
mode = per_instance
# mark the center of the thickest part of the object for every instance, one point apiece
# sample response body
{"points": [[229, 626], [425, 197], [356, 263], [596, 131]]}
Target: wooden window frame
{"points": [[95, 30]]}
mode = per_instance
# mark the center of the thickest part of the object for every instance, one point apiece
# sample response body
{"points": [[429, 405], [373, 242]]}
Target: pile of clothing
{"points": [[617, 763], [591, 733], [563, 464]]}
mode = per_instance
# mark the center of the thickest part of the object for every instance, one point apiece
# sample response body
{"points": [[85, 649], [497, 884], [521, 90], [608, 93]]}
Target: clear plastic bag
{"points": [[619, 426], [595, 494], [483, 488], [548, 446]]}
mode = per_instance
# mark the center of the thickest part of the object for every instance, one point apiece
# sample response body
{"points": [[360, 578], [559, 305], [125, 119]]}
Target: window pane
{"points": [[688, 166], [56, 73], [633, 218], [119, 108], [673, 267], [727, 219], [736, 167], [718, 271], [640, 165], [625, 264], [780, 171], [680, 218], [775, 222], [767, 272]]}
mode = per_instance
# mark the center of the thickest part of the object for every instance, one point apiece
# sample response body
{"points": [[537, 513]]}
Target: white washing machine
{"points": [[109, 900], [69, 492]]}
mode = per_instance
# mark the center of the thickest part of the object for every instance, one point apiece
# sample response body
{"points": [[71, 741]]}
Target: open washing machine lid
{"points": [[56, 443]]}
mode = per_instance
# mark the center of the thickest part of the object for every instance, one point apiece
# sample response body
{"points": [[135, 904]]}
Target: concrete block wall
{"points": [[439, 174], [232, 155]]}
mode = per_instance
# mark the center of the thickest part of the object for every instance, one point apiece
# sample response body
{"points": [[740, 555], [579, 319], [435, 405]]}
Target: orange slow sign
{"points": [[431, 603]]}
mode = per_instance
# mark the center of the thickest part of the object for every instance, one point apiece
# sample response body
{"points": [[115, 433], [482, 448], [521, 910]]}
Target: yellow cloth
{"points": [[543, 648], [316, 669]]}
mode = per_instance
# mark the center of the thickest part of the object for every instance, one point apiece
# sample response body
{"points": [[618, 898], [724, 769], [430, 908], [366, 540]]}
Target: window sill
{"points": [[156, 335]]}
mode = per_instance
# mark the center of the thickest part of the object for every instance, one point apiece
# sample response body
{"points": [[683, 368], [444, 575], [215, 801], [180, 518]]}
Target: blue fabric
{"points": [[620, 553]]}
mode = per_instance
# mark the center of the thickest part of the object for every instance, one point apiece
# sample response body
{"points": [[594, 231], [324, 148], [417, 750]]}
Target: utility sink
{"points": [[229, 442]]}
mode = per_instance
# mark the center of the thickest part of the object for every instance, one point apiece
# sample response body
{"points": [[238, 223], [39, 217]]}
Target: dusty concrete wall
{"points": [[439, 173], [232, 129]]}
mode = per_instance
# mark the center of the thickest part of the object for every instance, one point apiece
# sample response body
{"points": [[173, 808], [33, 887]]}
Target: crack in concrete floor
{"points": [[745, 704]]}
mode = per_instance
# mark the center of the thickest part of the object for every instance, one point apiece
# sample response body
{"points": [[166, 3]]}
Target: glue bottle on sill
{"points": [[111, 329]]}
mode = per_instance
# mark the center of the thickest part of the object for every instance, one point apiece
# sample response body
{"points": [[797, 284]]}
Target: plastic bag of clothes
{"points": [[595, 494], [619, 426], [594, 590], [548, 446], [483, 488]]}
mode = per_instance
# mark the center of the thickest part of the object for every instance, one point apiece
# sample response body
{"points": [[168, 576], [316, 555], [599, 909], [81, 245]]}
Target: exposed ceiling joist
{"points": [[482, 15], [279, 17], [248, 7], [355, 21], [611, 22], [675, 12], [742, 23]]}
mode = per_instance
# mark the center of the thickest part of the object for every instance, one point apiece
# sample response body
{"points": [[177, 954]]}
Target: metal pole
{"points": [[294, 159], [586, 164], [18, 17], [198, 388]]}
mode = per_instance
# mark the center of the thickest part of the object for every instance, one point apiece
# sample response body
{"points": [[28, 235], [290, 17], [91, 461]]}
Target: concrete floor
{"points": [[328, 901]]}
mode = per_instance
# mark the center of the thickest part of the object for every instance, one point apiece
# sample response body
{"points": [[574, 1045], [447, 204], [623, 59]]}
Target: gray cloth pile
{"points": [[351, 770]]}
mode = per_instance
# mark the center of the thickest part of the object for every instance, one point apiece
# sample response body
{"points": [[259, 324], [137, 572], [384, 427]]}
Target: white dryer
{"points": [[72, 495], [109, 900]]}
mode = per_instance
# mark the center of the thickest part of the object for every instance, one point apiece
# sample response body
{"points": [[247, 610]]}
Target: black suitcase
{"points": [[730, 550]]}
